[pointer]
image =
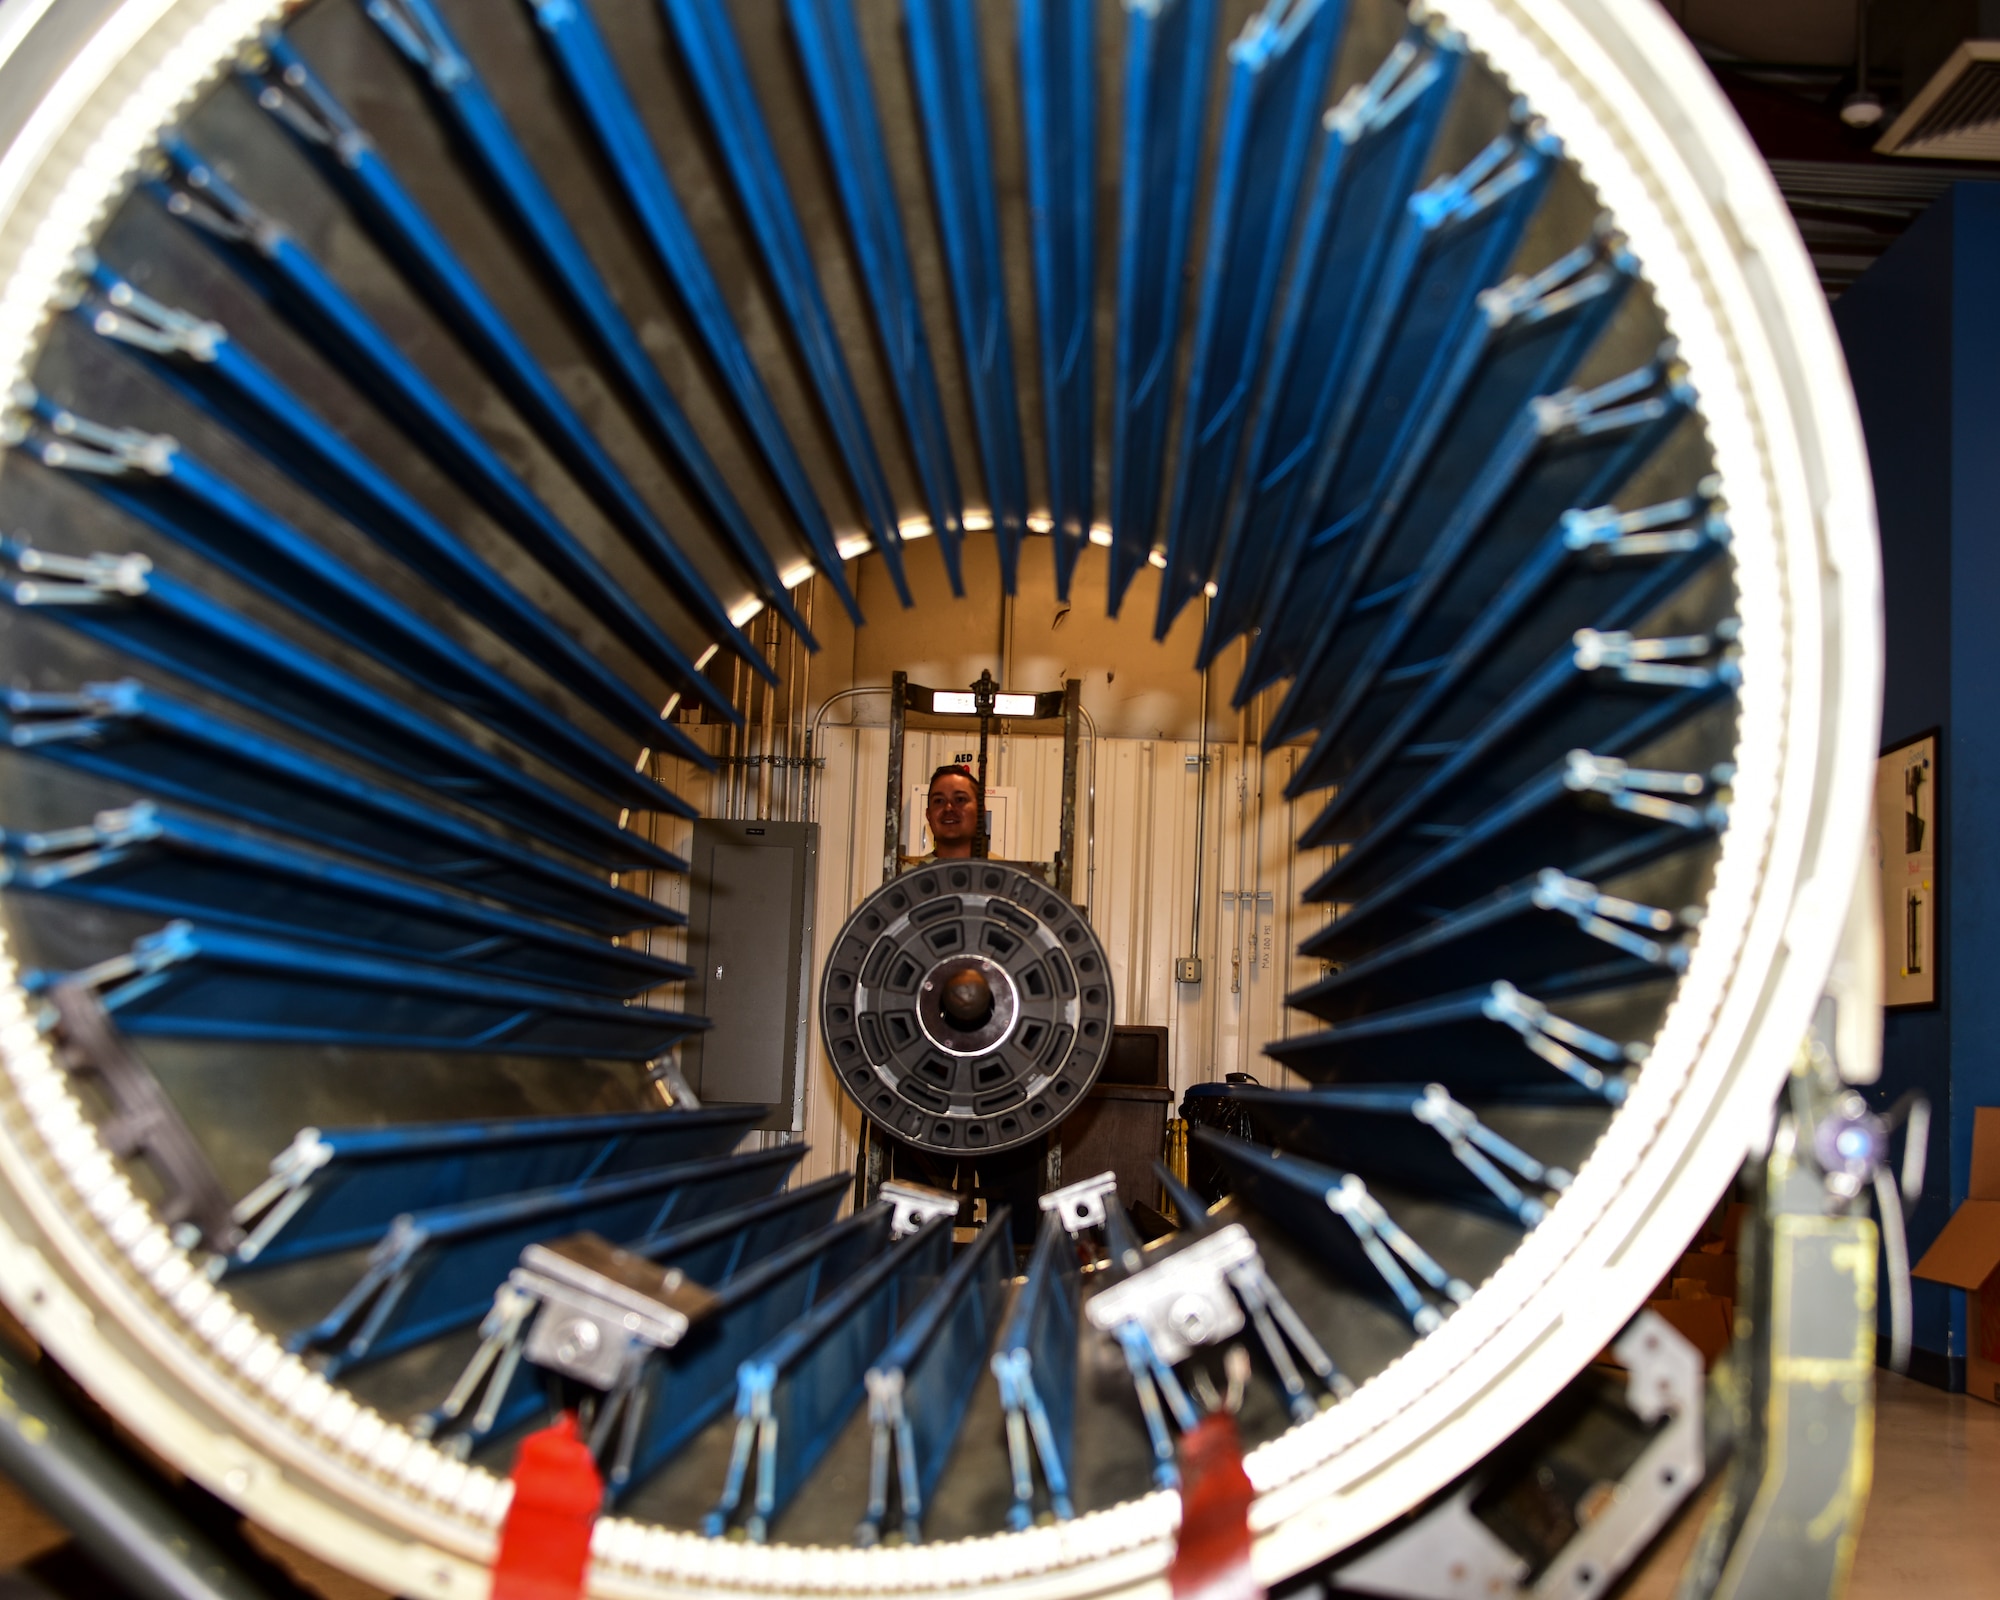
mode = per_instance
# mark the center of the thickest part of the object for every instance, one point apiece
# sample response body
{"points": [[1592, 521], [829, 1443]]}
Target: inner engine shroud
{"points": [[1019, 1069]]}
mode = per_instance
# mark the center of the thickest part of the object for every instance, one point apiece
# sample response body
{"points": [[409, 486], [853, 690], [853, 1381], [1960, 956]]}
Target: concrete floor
{"points": [[1933, 1525], [1932, 1531]]}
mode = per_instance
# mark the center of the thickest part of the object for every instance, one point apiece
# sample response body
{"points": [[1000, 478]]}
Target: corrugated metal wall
{"points": [[1140, 803]]}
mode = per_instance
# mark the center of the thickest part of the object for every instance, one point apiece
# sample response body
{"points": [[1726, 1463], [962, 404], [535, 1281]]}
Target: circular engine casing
{"points": [[88, 1267], [1021, 1068]]}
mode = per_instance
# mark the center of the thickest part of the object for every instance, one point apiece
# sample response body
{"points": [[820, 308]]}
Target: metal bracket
{"points": [[60, 439], [1080, 1205], [915, 1204], [1649, 530], [1183, 1299], [1613, 918], [143, 1121], [1448, 1553], [296, 98], [195, 193], [415, 31], [1653, 661], [492, 1368], [1484, 1153], [132, 318], [267, 1208], [58, 580], [1642, 790], [1556, 1041], [603, 1309]]}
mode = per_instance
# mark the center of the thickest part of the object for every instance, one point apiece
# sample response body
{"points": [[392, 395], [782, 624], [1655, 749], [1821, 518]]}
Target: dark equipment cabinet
{"points": [[750, 906], [1121, 1126]]}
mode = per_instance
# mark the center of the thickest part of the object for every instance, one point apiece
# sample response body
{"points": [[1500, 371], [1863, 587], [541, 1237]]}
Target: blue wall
{"points": [[1922, 336]]}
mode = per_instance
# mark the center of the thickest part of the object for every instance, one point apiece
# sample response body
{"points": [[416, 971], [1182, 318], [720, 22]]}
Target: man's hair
{"points": [[955, 769]]}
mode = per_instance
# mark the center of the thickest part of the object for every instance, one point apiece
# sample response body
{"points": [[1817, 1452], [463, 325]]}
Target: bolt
{"points": [[1191, 1317], [579, 1342]]}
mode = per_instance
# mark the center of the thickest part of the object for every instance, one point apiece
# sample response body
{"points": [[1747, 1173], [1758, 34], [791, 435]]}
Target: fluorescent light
{"points": [[978, 521], [915, 528], [743, 611], [1100, 535], [797, 575], [1156, 558], [856, 544], [705, 657], [961, 703]]}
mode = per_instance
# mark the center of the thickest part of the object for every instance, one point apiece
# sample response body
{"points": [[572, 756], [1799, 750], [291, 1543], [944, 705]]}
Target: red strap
{"points": [[1212, 1558], [545, 1541]]}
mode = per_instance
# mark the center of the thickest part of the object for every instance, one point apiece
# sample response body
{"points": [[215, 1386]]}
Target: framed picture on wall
{"points": [[1905, 850]]}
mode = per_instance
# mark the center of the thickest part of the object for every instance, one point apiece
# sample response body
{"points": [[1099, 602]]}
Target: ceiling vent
{"points": [[1956, 115]]}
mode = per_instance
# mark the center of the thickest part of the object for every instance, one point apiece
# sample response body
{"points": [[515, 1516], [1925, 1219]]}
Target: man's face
{"points": [[953, 812]]}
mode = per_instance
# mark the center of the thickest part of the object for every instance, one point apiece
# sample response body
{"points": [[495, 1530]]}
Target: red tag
{"points": [[1212, 1558], [545, 1541]]}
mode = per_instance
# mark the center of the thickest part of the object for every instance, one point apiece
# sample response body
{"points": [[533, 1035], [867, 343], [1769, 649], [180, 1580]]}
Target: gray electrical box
{"points": [[750, 907]]}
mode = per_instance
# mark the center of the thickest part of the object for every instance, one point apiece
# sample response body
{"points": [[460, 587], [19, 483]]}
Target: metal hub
{"points": [[967, 1007]]}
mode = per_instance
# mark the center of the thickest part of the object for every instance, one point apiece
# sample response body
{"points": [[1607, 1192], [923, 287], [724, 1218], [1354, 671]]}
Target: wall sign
{"points": [[1905, 847]]}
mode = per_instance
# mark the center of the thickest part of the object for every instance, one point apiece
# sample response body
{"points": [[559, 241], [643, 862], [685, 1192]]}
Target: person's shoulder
{"points": [[911, 863]]}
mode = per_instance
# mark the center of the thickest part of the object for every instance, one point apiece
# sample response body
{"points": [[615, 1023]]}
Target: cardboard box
{"points": [[1717, 1273], [1967, 1256], [1705, 1324]]}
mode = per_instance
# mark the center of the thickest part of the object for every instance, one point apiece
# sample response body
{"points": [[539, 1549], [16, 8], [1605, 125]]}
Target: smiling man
{"points": [[952, 812]]}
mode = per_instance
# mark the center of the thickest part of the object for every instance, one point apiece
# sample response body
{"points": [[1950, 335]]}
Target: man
{"points": [[952, 811]]}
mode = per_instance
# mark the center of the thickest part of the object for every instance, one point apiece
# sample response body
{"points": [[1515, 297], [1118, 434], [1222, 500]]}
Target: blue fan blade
{"points": [[1278, 70], [944, 61], [607, 106], [1059, 116], [489, 143], [335, 1188], [1168, 50], [137, 735], [160, 862]]}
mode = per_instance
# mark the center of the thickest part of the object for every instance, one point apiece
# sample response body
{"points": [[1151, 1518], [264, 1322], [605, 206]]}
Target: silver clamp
{"points": [[296, 98], [603, 1310], [1558, 1041], [491, 1369], [266, 1209], [1645, 791], [1498, 1164], [1673, 527], [916, 1204], [1656, 662], [1616, 920], [197, 194], [1080, 1205], [57, 437], [50, 579], [1183, 1299], [415, 30], [138, 320]]}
